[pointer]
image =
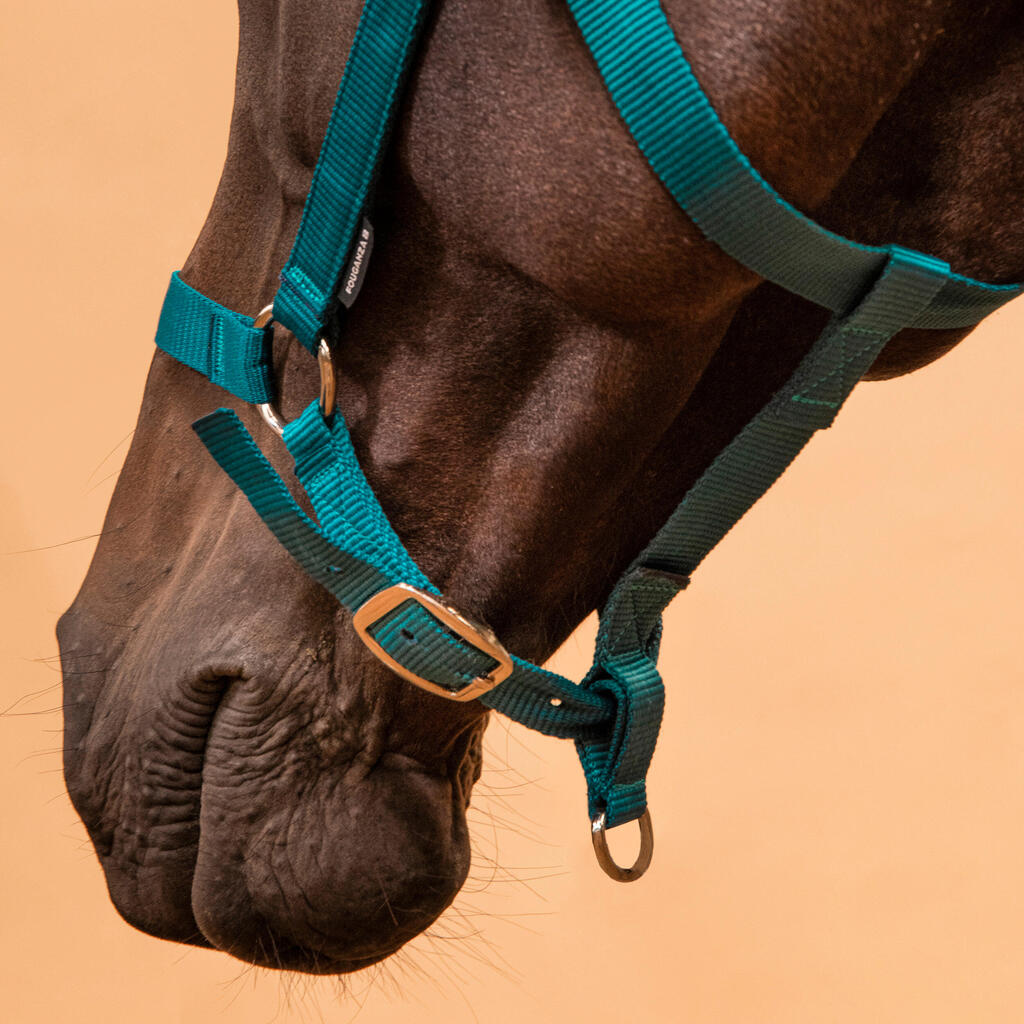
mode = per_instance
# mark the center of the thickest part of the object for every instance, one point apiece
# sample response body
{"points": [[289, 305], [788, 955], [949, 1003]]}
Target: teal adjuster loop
{"points": [[222, 345], [625, 668], [616, 765]]}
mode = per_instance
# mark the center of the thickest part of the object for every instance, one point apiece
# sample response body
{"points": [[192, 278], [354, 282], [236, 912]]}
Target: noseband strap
{"points": [[614, 714]]}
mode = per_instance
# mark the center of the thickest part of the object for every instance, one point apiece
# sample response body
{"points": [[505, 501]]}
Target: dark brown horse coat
{"points": [[544, 357]]}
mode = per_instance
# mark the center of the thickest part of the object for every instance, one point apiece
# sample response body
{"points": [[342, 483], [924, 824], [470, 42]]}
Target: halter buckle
{"points": [[271, 416], [474, 633]]}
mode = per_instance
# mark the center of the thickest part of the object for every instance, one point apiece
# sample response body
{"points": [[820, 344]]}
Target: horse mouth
{"points": [[221, 826]]}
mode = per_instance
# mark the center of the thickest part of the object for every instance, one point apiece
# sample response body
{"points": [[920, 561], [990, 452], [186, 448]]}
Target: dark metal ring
{"points": [[599, 835]]}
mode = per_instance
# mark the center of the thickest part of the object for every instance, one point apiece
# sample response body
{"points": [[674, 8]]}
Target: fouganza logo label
{"points": [[357, 262], [352, 279]]}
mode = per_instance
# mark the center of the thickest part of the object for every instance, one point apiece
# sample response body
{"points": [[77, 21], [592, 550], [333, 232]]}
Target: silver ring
{"points": [[599, 835], [269, 412]]}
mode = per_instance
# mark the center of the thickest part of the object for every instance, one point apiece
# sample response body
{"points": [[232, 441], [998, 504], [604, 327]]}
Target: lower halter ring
{"points": [[599, 835]]}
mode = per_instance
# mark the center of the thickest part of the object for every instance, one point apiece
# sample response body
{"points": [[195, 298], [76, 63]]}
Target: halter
{"points": [[351, 549]]}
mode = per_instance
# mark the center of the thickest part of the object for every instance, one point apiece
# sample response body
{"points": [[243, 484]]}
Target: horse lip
{"points": [[285, 956], [150, 871], [311, 961], [160, 895], [244, 910], [221, 683]]}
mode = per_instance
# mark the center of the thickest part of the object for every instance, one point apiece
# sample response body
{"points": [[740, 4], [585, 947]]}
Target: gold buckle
{"points": [[474, 633]]}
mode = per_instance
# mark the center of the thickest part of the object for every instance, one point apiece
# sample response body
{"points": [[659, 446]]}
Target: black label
{"points": [[355, 272]]}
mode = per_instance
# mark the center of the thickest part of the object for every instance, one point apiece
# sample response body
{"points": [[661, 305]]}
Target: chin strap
{"points": [[615, 713]]}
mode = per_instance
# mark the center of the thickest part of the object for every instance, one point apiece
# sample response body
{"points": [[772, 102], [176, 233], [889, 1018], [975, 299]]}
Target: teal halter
{"points": [[615, 713]]}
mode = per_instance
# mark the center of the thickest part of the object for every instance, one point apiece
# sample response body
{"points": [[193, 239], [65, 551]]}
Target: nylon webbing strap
{"points": [[690, 149], [759, 454], [347, 164]]}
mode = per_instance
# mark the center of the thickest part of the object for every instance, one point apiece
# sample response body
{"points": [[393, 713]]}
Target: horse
{"points": [[545, 355]]}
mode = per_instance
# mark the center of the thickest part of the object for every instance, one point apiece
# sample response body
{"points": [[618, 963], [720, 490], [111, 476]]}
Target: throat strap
{"points": [[809, 401]]}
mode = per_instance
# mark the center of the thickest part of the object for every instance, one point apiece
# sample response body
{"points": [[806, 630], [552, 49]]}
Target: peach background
{"points": [[839, 790]]}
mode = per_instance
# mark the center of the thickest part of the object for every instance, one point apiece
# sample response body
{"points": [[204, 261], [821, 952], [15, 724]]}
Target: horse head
{"points": [[545, 355]]}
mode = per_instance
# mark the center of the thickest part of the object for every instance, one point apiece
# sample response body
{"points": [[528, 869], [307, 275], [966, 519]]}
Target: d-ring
{"points": [[268, 410], [599, 834]]}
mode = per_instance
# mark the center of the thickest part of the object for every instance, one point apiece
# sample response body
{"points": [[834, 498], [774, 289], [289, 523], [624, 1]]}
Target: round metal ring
{"points": [[269, 412], [599, 835]]}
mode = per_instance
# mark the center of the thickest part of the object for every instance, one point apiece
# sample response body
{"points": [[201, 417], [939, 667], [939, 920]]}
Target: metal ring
{"points": [[599, 835], [269, 412], [265, 317]]}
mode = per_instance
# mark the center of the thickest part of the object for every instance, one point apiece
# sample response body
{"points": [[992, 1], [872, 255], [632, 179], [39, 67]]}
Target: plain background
{"points": [[838, 794]]}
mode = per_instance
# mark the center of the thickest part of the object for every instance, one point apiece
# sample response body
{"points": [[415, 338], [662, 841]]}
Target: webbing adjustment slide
{"points": [[476, 634]]}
